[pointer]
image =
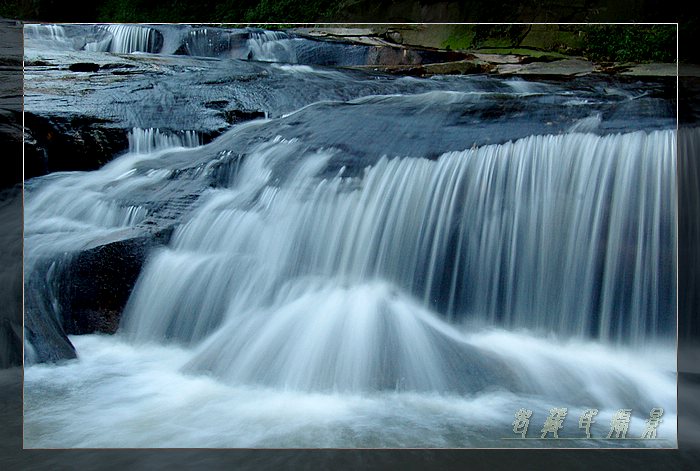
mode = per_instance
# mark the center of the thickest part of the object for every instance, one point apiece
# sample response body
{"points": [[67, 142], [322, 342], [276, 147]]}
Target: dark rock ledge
{"points": [[83, 293]]}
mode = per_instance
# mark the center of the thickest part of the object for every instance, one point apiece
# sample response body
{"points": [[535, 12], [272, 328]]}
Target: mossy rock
{"points": [[497, 42], [498, 36], [452, 37], [461, 38], [551, 38]]}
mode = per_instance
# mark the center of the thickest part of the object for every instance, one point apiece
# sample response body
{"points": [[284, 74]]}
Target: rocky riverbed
{"points": [[69, 127]]}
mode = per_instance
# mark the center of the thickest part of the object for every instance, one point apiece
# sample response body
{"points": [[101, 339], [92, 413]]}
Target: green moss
{"points": [[498, 35], [636, 43], [551, 38], [496, 42], [461, 38]]}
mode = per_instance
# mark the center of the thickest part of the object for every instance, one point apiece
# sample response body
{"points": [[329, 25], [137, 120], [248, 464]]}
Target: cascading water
{"points": [[247, 43], [333, 285], [49, 36], [548, 233], [144, 141], [271, 46], [318, 291], [125, 39], [79, 210], [132, 38], [90, 205]]}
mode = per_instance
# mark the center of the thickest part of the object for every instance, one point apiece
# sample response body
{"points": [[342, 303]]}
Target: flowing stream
{"points": [[399, 262]]}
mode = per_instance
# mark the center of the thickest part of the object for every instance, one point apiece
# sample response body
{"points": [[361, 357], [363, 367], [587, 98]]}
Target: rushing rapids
{"points": [[406, 268]]}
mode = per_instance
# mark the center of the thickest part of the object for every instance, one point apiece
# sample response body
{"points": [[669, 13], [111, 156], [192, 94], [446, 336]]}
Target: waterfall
{"points": [[250, 44], [47, 36], [132, 38], [215, 42], [125, 39], [271, 46], [79, 207], [572, 234], [384, 262], [42, 31], [143, 141]]}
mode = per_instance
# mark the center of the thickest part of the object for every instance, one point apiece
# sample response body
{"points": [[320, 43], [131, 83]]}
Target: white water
{"points": [[45, 36], [121, 39], [131, 38], [125, 39], [271, 46], [299, 309], [144, 141], [77, 208], [121, 395]]}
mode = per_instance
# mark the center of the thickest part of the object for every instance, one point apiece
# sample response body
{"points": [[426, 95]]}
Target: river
{"points": [[375, 261]]}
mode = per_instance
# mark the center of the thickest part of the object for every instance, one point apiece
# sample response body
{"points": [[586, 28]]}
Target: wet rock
{"points": [[652, 70], [82, 293], [216, 104], [500, 58], [45, 339], [563, 68], [239, 116], [83, 67], [461, 67], [97, 283], [77, 143]]}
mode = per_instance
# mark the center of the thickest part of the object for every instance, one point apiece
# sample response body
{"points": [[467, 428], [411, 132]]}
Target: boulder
{"points": [[82, 293], [96, 283]]}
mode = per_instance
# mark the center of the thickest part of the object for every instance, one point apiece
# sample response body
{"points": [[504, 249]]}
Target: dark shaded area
{"points": [[688, 165], [83, 67], [339, 10], [82, 293], [237, 116], [97, 283], [75, 143], [10, 272], [689, 213], [43, 329], [11, 195], [630, 44]]}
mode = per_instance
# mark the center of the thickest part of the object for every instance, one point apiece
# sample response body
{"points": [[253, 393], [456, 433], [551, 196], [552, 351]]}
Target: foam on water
{"points": [[121, 395], [79, 207]]}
